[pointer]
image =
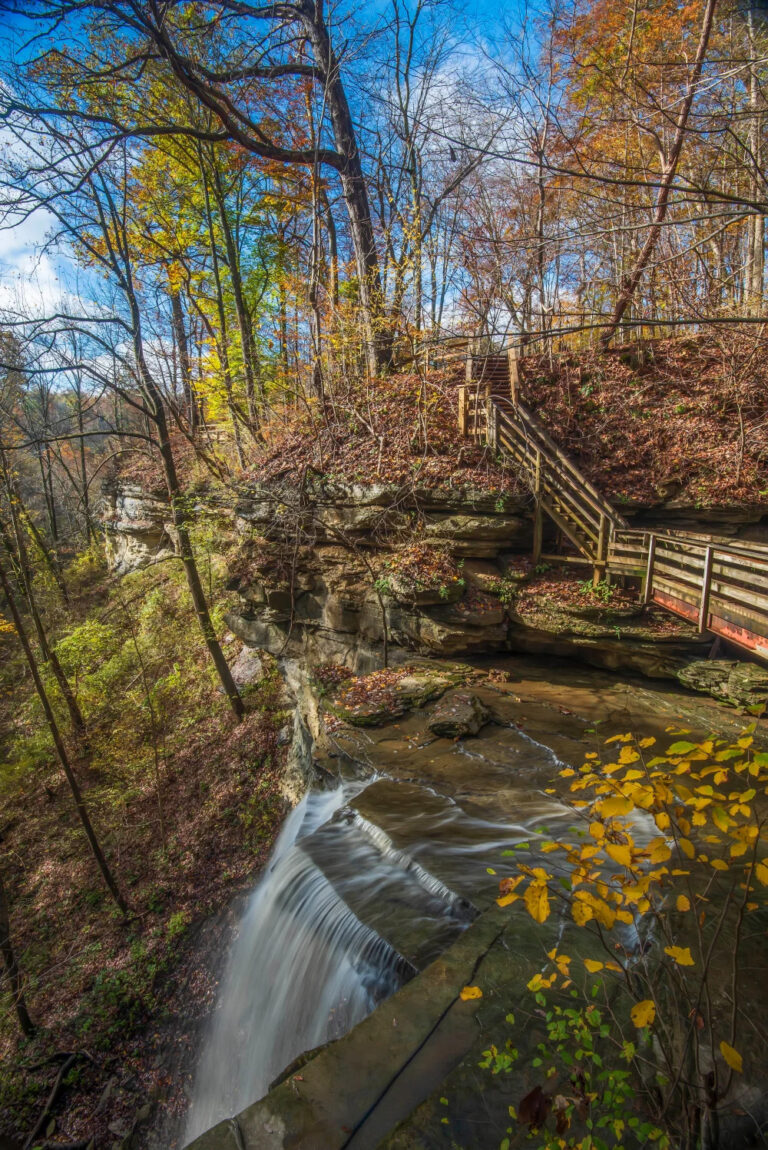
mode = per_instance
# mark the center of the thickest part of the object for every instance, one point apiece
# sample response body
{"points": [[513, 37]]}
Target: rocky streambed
{"points": [[341, 1021]]}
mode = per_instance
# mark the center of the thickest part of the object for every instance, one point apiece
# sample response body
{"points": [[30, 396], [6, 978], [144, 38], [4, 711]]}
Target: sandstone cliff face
{"points": [[137, 527], [320, 587], [315, 577]]}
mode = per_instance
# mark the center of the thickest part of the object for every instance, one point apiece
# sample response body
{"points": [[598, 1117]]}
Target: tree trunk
{"points": [[250, 364], [354, 188], [223, 337], [756, 221], [58, 743], [49, 655], [11, 967], [182, 350], [667, 177], [157, 411]]}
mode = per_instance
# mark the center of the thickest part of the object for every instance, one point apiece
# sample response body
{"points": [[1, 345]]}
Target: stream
{"points": [[372, 878]]}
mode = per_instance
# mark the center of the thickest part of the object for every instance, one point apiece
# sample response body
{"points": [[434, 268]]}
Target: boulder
{"points": [[741, 684], [248, 667], [458, 715], [413, 689], [138, 531]]}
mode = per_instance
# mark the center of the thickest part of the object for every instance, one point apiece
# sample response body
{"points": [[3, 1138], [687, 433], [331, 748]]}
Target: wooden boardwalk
{"points": [[719, 584]]}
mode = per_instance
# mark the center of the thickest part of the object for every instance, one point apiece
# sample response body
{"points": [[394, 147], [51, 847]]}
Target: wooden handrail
{"points": [[719, 585], [757, 552], [570, 483]]}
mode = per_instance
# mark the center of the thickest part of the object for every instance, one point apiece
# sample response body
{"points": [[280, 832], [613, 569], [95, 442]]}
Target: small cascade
{"points": [[433, 885], [367, 884], [303, 970]]}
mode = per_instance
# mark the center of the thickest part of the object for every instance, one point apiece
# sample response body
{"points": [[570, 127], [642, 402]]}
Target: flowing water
{"points": [[368, 883]]}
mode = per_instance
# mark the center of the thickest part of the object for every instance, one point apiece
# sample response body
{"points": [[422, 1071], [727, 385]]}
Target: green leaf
{"points": [[681, 748]]}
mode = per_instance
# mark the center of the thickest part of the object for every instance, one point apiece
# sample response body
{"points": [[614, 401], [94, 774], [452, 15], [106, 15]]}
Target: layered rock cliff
{"points": [[364, 574]]}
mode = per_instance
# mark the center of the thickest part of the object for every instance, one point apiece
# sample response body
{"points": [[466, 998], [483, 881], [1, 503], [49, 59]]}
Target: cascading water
{"points": [[368, 883], [303, 970]]}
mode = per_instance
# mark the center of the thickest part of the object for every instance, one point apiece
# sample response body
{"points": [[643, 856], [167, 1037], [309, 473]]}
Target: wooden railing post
{"points": [[463, 410], [648, 584], [514, 375], [538, 522], [598, 571], [492, 415], [706, 587]]}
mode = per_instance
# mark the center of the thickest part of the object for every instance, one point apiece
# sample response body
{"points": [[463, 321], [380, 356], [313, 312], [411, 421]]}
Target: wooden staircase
{"points": [[719, 584], [489, 410]]}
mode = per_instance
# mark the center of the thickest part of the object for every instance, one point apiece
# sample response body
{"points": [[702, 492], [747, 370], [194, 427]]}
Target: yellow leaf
{"points": [[683, 902], [627, 756], [662, 820], [597, 830], [719, 864], [507, 899], [592, 965], [687, 847], [643, 1013], [619, 853], [731, 1056], [761, 873], [470, 992], [681, 954], [537, 901], [646, 742], [659, 850], [738, 849], [582, 912], [603, 913], [616, 806], [619, 739], [720, 818]]}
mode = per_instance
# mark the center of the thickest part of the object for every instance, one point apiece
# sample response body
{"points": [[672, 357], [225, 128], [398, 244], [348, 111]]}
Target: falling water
{"points": [[347, 910], [303, 970]]}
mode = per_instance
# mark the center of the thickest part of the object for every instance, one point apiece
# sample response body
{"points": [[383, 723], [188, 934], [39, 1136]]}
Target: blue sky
{"points": [[32, 277]]}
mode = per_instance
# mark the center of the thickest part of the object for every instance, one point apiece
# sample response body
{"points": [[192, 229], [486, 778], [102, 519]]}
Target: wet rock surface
{"points": [[458, 715], [738, 683], [440, 813]]}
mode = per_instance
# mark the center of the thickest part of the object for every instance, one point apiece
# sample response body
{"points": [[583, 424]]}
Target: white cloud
{"points": [[29, 276]]}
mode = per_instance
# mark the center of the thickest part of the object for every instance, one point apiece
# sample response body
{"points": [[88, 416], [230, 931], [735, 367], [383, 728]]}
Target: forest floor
{"points": [[681, 419], [184, 834], [675, 419]]}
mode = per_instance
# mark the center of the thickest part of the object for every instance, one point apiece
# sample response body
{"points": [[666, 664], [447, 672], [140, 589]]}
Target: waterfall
{"points": [[303, 970]]}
